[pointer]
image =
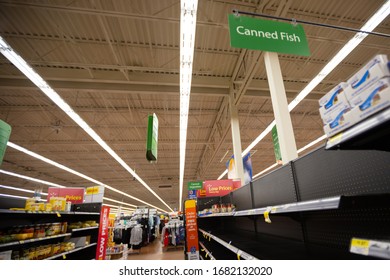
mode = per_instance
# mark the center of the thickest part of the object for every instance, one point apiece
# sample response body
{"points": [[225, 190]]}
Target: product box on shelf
{"points": [[333, 103], [375, 99], [374, 70], [341, 122], [58, 203]]}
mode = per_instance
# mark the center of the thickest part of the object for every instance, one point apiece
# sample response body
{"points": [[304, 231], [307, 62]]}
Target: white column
{"points": [[236, 137], [288, 147]]}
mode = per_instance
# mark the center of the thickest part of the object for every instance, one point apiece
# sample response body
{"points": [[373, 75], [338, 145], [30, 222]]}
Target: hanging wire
{"points": [[295, 21]]}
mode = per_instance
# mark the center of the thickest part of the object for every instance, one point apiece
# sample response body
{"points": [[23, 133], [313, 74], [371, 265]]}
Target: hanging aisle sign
{"points": [[5, 132], [152, 138], [267, 35]]}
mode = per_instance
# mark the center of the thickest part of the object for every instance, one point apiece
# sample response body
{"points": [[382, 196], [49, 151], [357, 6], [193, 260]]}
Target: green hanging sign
{"points": [[152, 138], [195, 185], [267, 35], [5, 132], [275, 140]]}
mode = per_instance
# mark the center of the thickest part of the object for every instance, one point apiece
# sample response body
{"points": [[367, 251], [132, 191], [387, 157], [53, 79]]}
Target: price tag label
{"points": [[58, 214], [336, 139], [360, 246]]}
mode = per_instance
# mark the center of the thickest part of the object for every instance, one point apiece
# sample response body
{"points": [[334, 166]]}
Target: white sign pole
{"points": [[237, 149], [288, 147]]}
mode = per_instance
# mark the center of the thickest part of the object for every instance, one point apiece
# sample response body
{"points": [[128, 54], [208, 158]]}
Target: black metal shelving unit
{"points": [[10, 218], [318, 206]]}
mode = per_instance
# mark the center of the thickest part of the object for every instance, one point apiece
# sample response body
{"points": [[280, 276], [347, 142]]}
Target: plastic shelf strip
{"points": [[207, 251], [71, 251], [229, 246], [373, 248], [311, 205]]}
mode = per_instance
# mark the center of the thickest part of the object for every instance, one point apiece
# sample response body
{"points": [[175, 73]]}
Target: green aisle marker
{"points": [[5, 132], [152, 138]]}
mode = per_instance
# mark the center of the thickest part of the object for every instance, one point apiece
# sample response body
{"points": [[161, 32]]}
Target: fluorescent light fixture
{"points": [[187, 43], [265, 170], [323, 137], [370, 25], [223, 174], [17, 196], [117, 206], [19, 189], [13, 196], [31, 179], [63, 167], [120, 202], [22, 65]]}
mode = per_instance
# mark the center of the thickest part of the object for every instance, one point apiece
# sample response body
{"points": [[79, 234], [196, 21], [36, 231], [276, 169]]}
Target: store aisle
{"points": [[154, 251]]}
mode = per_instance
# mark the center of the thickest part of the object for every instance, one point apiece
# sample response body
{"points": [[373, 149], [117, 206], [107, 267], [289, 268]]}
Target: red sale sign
{"points": [[218, 187], [103, 233], [191, 230], [74, 195]]}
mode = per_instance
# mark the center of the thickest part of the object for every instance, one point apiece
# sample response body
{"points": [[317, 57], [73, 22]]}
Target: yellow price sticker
{"points": [[238, 256], [361, 243], [337, 138], [64, 257], [58, 214]]}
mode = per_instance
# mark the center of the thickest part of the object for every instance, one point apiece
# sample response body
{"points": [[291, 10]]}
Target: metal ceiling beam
{"points": [[21, 83], [106, 13]]}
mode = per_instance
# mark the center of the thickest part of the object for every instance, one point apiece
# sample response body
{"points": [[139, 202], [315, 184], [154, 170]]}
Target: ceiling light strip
{"points": [[31, 179], [187, 43], [20, 189], [63, 167], [323, 137], [371, 24], [14, 196], [22, 65], [116, 206]]}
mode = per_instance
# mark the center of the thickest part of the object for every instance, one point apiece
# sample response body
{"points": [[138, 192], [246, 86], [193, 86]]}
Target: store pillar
{"points": [[288, 147]]}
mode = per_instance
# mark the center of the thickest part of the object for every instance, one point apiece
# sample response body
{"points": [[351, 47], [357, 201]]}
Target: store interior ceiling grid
{"points": [[115, 62]]}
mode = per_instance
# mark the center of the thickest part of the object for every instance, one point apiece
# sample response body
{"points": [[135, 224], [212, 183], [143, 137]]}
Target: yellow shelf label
{"points": [[58, 214], [64, 257], [336, 138], [361, 243]]}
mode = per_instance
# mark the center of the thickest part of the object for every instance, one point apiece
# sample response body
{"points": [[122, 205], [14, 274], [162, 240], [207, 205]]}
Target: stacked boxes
{"points": [[365, 93], [333, 108]]}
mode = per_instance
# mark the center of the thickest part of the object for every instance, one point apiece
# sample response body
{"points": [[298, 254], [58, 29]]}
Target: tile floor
{"points": [[154, 251]]}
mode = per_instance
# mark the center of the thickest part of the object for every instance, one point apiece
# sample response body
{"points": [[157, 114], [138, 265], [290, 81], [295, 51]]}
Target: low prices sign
{"points": [[218, 187], [103, 233], [74, 195], [191, 230]]}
